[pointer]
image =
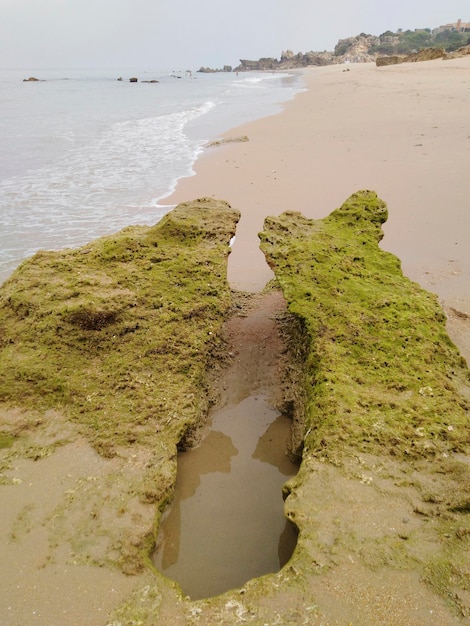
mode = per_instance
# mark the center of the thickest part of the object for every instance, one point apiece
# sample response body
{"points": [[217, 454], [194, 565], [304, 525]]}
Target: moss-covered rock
{"points": [[378, 394], [115, 339], [381, 373], [118, 332], [382, 381], [117, 336]]}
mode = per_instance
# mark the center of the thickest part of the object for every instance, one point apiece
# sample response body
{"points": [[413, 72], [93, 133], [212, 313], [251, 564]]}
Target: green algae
{"points": [[116, 338], [380, 372], [118, 333], [379, 376], [377, 392], [6, 440]]}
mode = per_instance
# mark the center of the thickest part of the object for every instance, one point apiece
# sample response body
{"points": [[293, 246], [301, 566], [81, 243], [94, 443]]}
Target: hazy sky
{"points": [[182, 34]]}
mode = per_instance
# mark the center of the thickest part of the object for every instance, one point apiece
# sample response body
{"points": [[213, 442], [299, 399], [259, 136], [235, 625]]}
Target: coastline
{"points": [[93, 410], [399, 130]]}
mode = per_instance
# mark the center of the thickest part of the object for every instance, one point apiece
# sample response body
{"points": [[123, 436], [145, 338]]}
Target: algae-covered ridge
{"points": [[117, 333], [116, 336], [383, 389], [381, 373]]}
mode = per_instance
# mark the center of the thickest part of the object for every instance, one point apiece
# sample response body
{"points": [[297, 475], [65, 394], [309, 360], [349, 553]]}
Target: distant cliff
{"points": [[287, 61], [359, 49], [363, 48], [351, 50]]}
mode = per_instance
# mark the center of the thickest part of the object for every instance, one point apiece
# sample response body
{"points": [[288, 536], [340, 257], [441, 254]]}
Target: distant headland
{"points": [[450, 39]]}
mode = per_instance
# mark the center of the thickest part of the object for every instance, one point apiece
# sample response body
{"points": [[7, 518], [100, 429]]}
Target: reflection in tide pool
{"points": [[226, 524]]}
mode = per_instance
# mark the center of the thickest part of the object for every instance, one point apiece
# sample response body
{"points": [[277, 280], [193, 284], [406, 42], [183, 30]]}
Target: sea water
{"points": [[83, 154]]}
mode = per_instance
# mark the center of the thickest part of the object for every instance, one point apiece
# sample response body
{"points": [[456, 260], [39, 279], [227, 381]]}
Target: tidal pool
{"points": [[226, 524]]}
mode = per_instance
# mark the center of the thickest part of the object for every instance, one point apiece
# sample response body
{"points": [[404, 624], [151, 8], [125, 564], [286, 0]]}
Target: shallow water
{"points": [[84, 155], [226, 524]]}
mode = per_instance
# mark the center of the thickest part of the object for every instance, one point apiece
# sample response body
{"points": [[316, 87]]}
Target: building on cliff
{"points": [[458, 26]]}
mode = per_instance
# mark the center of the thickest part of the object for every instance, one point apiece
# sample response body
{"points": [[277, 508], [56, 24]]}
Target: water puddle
{"points": [[226, 524]]}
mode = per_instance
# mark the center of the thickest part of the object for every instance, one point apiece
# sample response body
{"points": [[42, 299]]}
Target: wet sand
{"points": [[400, 130]]}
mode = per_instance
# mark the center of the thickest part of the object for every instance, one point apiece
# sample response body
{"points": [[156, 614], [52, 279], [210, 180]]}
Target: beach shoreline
{"points": [[84, 483], [398, 130]]}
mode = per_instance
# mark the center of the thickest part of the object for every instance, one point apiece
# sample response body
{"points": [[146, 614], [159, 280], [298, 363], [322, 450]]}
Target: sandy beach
{"points": [[400, 130]]}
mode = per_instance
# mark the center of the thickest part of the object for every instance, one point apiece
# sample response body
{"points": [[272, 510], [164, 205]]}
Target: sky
{"points": [[188, 34]]}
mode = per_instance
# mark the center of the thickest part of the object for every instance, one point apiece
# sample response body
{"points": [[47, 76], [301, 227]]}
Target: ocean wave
{"points": [[99, 187]]}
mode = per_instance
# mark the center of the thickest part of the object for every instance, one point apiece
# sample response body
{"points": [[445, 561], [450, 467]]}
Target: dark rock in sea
{"points": [[150, 81], [133, 80], [31, 79]]}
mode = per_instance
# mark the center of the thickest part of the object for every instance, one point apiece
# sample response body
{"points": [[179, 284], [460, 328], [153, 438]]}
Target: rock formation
{"points": [[132, 320], [427, 54], [351, 50], [356, 49], [209, 70], [109, 346], [288, 61], [391, 48], [460, 52], [380, 420], [393, 59]]}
